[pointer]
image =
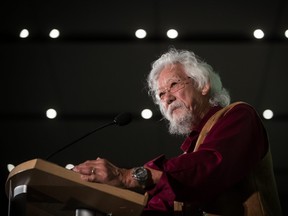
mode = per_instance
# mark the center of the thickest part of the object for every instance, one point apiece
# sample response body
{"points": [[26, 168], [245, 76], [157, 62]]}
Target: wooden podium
{"points": [[53, 190]]}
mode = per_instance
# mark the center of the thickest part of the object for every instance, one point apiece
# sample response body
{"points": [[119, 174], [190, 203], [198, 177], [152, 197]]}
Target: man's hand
{"points": [[101, 171]]}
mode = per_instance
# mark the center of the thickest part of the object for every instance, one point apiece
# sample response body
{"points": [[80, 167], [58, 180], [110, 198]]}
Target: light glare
{"points": [[140, 33], [268, 114], [258, 33], [286, 33], [54, 33], [69, 166], [10, 167], [172, 33], [146, 113], [24, 33], [51, 113]]}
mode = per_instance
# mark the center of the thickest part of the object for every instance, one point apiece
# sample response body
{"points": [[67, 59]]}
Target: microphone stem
{"points": [[77, 140]]}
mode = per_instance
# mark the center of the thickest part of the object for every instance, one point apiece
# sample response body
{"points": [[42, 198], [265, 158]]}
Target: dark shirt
{"points": [[236, 143]]}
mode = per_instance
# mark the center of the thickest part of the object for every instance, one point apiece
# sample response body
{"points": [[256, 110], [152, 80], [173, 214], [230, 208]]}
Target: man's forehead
{"points": [[171, 72]]}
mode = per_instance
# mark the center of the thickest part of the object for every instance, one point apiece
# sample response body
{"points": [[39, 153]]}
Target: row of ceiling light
{"points": [[141, 33], [147, 114]]}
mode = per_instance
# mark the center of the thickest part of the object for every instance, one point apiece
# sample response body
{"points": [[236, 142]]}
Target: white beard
{"points": [[180, 124]]}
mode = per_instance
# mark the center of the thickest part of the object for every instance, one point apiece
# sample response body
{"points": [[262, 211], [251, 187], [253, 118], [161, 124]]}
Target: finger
{"points": [[94, 163], [93, 171], [85, 170], [89, 178], [86, 178], [90, 166]]}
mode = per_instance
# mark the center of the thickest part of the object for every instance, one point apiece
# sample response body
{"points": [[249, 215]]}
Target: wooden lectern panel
{"points": [[54, 190]]}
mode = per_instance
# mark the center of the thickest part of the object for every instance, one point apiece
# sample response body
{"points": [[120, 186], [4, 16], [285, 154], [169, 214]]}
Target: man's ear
{"points": [[206, 89]]}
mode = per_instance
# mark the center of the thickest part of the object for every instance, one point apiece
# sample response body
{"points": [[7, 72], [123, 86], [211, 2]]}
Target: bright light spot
{"points": [[51, 113], [286, 33], [54, 33], [10, 167], [140, 33], [24, 33], [258, 33], [172, 33], [146, 113], [268, 114], [69, 166]]}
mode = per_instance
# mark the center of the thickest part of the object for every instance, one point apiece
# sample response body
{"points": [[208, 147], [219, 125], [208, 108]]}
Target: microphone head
{"points": [[123, 119]]}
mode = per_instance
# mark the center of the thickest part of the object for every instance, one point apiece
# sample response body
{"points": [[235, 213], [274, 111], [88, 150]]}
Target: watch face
{"points": [[140, 174]]}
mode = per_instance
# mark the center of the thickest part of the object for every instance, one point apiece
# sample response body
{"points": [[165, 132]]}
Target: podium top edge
{"points": [[50, 168]]}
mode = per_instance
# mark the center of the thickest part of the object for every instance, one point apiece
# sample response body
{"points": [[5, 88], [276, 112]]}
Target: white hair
{"points": [[201, 72]]}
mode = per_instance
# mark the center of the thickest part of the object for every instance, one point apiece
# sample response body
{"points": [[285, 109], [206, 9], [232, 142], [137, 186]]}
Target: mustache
{"points": [[173, 106]]}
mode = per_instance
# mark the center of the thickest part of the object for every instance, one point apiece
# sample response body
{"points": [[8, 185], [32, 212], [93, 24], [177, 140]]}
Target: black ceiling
{"points": [[97, 69]]}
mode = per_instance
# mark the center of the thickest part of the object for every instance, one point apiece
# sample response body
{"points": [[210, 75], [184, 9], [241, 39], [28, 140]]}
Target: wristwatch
{"points": [[140, 174]]}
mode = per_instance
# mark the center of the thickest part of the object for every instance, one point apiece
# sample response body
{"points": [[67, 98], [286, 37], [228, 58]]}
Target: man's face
{"points": [[179, 99]]}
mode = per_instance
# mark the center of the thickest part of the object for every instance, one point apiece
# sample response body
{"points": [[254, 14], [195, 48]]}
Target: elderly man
{"points": [[225, 168]]}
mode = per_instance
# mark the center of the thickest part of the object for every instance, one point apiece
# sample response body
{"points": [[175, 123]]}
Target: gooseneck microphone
{"points": [[120, 120]]}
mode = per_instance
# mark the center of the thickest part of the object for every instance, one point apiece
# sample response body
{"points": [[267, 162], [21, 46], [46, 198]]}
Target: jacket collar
{"points": [[187, 144]]}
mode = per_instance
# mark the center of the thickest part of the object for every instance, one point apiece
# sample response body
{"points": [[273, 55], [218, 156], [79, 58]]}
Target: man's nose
{"points": [[169, 98]]}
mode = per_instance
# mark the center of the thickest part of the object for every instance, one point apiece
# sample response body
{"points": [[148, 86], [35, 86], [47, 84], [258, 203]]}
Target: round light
{"points": [[10, 167], [146, 113], [54, 33], [172, 33], [268, 114], [140, 33], [51, 113], [24, 33], [69, 166], [286, 33], [258, 33]]}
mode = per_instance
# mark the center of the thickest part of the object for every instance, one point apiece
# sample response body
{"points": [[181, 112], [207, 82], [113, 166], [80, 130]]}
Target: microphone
{"points": [[120, 120]]}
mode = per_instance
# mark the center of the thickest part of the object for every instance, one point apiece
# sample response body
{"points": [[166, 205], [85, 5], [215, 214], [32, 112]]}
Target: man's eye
{"points": [[173, 85], [161, 94]]}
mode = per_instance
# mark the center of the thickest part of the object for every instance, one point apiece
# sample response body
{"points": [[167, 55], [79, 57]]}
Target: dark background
{"points": [[97, 69]]}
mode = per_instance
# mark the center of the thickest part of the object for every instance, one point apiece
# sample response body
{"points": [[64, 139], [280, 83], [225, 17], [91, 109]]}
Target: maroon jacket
{"points": [[236, 143]]}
